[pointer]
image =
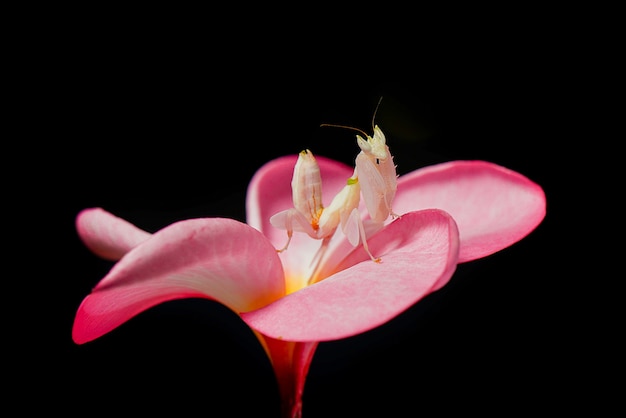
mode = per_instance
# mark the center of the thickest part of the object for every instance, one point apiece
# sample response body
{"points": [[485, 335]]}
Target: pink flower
{"points": [[450, 213]]}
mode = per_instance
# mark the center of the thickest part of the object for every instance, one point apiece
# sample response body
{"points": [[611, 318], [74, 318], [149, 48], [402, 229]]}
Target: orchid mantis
{"points": [[377, 175], [374, 178], [310, 216], [376, 171]]}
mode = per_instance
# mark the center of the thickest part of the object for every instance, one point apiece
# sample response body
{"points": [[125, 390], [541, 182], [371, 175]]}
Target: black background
{"points": [[157, 125]]}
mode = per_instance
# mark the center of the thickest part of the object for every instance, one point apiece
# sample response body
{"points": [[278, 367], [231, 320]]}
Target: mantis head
{"points": [[374, 146]]}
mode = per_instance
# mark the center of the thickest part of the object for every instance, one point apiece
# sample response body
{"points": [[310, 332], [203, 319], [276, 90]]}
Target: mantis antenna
{"points": [[353, 128]]}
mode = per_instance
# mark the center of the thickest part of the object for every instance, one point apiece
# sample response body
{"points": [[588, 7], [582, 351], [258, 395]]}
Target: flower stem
{"points": [[290, 361]]}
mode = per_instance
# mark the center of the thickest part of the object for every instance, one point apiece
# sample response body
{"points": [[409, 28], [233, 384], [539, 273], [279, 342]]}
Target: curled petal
{"points": [[219, 259], [107, 235], [494, 207], [419, 254]]}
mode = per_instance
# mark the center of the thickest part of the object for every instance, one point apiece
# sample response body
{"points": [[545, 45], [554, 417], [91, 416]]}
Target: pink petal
{"points": [[419, 254], [214, 258], [107, 235], [494, 207], [269, 192]]}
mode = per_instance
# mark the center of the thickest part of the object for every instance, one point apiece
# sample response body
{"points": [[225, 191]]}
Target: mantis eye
{"points": [[377, 161]]}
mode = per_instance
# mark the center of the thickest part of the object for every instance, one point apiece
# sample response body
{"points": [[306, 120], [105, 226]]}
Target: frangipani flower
{"points": [[450, 213]]}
